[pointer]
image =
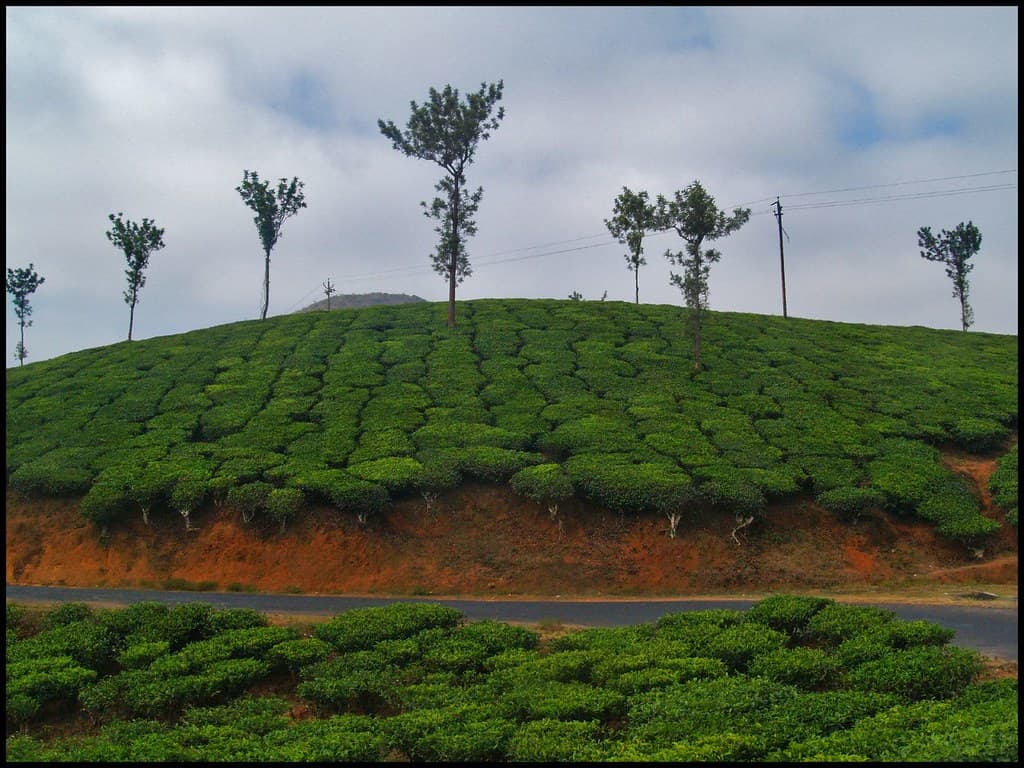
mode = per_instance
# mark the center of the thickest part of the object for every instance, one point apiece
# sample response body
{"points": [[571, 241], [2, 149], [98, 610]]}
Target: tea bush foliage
{"points": [[793, 678], [356, 407]]}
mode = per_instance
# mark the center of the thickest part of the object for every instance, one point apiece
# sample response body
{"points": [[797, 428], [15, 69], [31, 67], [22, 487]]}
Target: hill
{"points": [[542, 446], [354, 300]]}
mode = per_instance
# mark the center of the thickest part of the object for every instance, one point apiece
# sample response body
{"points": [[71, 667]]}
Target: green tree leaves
{"points": [[272, 207], [954, 249]]}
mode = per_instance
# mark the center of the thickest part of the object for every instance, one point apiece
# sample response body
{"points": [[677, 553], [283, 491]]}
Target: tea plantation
{"points": [[791, 679], [357, 407]]}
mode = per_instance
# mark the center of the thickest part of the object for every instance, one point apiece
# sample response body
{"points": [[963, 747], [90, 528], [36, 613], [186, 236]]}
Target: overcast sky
{"points": [[868, 123]]}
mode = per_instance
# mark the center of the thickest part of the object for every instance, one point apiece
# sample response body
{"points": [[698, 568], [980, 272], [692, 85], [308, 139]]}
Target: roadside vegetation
{"points": [[358, 407], [794, 678]]}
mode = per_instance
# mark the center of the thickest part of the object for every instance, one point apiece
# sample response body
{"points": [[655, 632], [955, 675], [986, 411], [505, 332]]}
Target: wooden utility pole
{"points": [[328, 289], [782, 261]]}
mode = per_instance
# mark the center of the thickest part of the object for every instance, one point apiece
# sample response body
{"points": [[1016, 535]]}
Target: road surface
{"points": [[990, 630]]}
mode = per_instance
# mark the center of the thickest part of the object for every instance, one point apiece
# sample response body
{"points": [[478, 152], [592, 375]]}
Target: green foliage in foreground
{"points": [[359, 407], [1003, 484], [793, 678]]}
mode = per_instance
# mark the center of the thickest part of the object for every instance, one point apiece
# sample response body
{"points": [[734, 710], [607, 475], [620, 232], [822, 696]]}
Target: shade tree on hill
{"points": [[137, 242], [272, 208], [954, 249], [695, 217], [632, 217], [447, 131], [21, 283]]}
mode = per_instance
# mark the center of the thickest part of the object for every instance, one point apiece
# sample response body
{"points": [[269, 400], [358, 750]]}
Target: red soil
{"points": [[484, 541]]}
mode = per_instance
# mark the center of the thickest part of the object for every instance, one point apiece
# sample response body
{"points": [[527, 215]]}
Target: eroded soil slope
{"points": [[482, 541]]}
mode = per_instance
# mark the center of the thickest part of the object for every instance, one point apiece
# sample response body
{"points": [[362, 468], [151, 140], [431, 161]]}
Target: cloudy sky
{"points": [[868, 123]]}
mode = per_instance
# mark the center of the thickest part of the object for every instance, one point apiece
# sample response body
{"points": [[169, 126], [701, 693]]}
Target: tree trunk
{"points": [[131, 318], [266, 286], [21, 349], [636, 278], [455, 253], [697, 365]]}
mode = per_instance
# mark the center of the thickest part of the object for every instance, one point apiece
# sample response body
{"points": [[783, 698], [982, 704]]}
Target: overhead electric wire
{"points": [[909, 196], [490, 260]]}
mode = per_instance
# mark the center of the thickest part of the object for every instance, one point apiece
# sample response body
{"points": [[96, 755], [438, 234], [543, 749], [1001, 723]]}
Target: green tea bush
{"points": [[33, 683], [392, 472], [556, 700], [809, 669], [294, 655], [934, 672], [284, 504], [951, 505], [979, 435], [787, 613], [250, 498], [379, 444], [837, 622], [1002, 484], [542, 483], [362, 628], [66, 613], [342, 489], [551, 740], [613, 480], [142, 654], [462, 733], [717, 706], [739, 644], [849, 502], [361, 682], [493, 464]]}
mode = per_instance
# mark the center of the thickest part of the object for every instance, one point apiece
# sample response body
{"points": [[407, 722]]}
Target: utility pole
{"points": [[328, 289], [782, 261]]}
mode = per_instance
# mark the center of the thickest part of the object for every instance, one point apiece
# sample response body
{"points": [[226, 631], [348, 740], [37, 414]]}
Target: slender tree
{"points": [[271, 208], [692, 213], [21, 283], [632, 217], [954, 249], [137, 242], [447, 131]]}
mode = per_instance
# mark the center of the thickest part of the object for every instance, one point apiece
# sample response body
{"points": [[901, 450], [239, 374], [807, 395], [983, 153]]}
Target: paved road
{"points": [[990, 630]]}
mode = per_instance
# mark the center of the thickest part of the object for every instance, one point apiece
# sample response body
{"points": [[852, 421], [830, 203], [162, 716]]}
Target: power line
{"points": [[901, 183], [490, 259], [910, 196]]}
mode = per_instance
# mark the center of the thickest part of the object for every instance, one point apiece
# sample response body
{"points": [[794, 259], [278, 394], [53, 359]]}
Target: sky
{"points": [[867, 123]]}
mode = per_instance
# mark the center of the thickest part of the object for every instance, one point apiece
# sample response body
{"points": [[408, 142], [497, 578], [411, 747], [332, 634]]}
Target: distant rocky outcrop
{"points": [[347, 300]]}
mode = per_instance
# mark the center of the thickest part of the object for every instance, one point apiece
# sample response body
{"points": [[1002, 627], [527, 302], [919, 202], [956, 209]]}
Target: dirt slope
{"points": [[483, 541]]}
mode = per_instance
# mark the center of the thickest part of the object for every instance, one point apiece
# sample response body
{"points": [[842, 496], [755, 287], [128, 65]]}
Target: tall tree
{"points": [[21, 283], [447, 131], [954, 249], [632, 217], [695, 217], [137, 242], [272, 207]]}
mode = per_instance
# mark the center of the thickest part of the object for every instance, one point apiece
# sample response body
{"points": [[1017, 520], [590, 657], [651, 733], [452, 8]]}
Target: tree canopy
{"points": [[137, 242], [954, 249], [695, 217], [272, 207], [447, 130], [21, 283], [632, 217]]}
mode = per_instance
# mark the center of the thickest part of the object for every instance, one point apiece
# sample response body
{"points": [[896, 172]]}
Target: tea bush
{"points": [[848, 412]]}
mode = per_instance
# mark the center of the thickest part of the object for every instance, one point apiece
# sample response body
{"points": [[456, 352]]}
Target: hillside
{"points": [[542, 447], [356, 300]]}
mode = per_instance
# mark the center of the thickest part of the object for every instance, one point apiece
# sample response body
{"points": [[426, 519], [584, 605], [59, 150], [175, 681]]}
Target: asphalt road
{"points": [[990, 630]]}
